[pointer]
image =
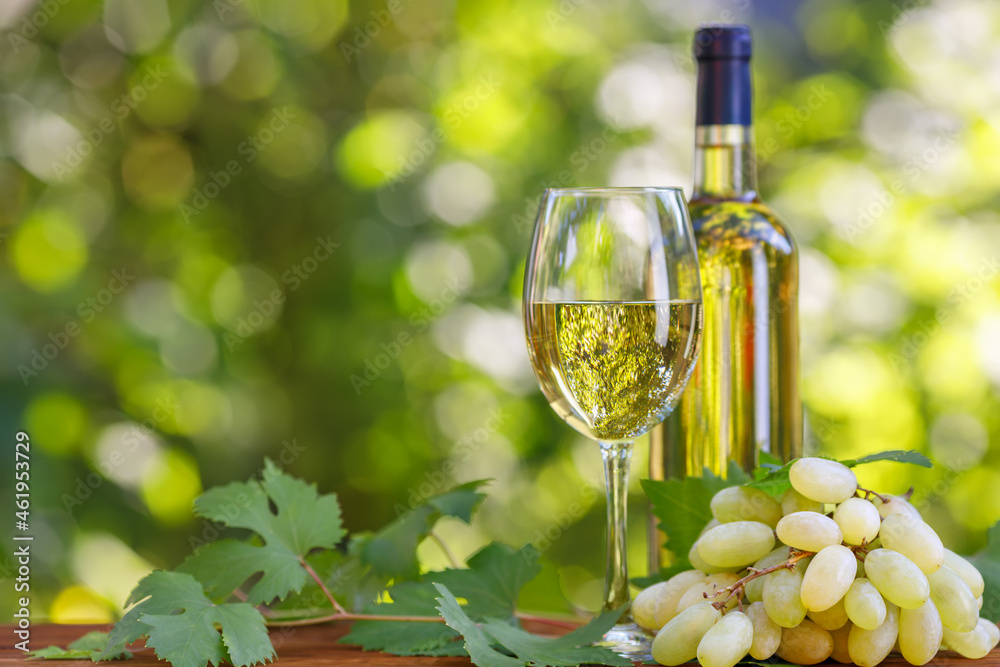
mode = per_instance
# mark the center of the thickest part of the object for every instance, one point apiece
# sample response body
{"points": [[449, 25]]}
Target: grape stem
{"points": [[445, 549], [347, 616], [322, 586], [869, 493], [860, 551], [737, 588]]}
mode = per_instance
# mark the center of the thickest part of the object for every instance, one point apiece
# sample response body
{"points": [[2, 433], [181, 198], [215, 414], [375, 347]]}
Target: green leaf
{"points": [[491, 587], [477, 642], [766, 458], [567, 651], [682, 506], [171, 608], [405, 638], [392, 552], [461, 501], [303, 521], [225, 565], [897, 455], [492, 584], [774, 480], [59, 653], [340, 572], [88, 647], [92, 641], [988, 563], [570, 649], [189, 639]]}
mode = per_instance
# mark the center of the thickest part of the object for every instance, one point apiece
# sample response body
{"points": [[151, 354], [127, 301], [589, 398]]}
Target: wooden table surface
{"points": [[317, 645]]}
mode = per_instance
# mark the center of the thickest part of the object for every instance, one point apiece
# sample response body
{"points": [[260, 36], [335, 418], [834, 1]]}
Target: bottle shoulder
{"points": [[740, 222]]}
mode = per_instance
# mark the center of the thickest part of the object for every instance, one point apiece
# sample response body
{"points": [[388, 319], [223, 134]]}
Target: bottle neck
{"points": [[725, 165]]}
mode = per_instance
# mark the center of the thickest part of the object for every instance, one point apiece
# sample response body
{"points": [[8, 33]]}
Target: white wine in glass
{"points": [[612, 312]]}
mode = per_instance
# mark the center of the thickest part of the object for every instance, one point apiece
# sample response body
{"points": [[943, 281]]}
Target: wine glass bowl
{"points": [[612, 312]]}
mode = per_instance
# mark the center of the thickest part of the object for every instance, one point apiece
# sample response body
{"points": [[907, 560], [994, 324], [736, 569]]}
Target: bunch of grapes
{"points": [[795, 580]]}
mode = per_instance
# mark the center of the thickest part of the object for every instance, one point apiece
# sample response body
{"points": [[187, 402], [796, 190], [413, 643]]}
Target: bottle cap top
{"points": [[722, 40]]}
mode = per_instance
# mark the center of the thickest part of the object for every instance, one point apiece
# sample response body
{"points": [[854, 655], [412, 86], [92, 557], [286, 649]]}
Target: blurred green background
{"points": [[296, 228]]}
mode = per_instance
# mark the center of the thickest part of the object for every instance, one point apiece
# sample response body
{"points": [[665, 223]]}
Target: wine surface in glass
{"points": [[610, 369]]}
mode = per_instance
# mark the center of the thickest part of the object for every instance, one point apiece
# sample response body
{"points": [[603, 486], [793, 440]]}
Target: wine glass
{"points": [[612, 314]]}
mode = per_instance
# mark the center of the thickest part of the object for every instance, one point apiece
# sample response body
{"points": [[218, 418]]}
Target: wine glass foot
{"points": [[629, 641]]}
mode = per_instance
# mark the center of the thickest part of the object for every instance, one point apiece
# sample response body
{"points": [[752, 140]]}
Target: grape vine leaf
{"points": [[409, 598], [392, 552], [682, 506], [897, 455], [477, 643], [988, 563], [569, 650], [574, 648], [774, 479], [171, 608], [303, 521], [490, 587], [767, 461], [341, 573], [87, 647]]}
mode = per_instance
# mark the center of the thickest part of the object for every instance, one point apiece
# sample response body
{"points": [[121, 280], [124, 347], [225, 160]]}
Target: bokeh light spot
{"points": [[170, 489], [48, 250], [958, 441], [191, 350], [298, 147], [151, 306], [126, 451], [386, 145], [107, 566], [78, 604], [157, 171], [243, 300], [56, 422], [974, 499], [209, 51], [459, 192], [311, 23], [438, 270], [136, 27], [163, 91], [257, 69]]}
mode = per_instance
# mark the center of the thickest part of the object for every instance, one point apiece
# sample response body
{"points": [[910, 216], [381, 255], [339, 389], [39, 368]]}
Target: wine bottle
{"points": [[743, 396]]}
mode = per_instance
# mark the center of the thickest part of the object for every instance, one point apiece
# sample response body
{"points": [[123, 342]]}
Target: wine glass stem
{"points": [[617, 457]]}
